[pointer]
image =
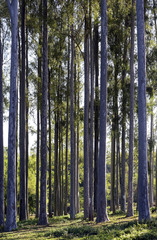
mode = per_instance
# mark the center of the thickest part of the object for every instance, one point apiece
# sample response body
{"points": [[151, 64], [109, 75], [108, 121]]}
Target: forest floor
{"points": [[119, 227]]}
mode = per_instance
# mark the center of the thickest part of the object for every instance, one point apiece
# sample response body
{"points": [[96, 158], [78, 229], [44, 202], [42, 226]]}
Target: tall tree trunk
{"points": [[62, 172], [67, 130], [91, 125], [50, 175], [86, 121], [114, 135], [151, 175], [1, 138], [37, 158], [123, 197], [27, 112], [78, 146], [43, 186], [56, 197], [101, 201], [131, 130], [96, 66], [143, 206], [23, 212], [117, 170], [113, 141], [11, 183], [72, 130], [38, 111]]}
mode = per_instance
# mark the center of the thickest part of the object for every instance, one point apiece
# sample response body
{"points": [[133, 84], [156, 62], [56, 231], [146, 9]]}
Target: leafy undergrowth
{"points": [[119, 227]]}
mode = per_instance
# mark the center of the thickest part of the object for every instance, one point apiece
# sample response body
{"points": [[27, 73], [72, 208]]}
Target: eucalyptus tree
{"points": [[124, 100], [72, 130], [23, 210], [1, 137], [11, 183], [96, 109], [86, 117], [143, 202], [91, 120], [101, 200], [43, 185], [131, 130], [38, 107]]}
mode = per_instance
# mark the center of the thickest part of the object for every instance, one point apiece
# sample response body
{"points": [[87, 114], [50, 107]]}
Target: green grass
{"points": [[119, 227]]}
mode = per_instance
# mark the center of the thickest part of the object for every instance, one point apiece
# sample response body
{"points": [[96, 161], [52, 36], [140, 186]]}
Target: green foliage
{"points": [[119, 227]]}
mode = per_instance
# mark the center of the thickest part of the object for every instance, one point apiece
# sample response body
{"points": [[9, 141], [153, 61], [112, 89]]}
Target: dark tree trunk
{"points": [[101, 201], [131, 130], [123, 197], [67, 130], [151, 162], [38, 113], [75, 132], [77, 150], [86, 122], [91, 125], [113, 141], [43, 186], [1, 139], [23, 214], [27, 134], [72, 130], [37, 159], [114, 135], [50, 164], [143, 203], [117, 170], [56, 197], [96, 66], [11, 183]]}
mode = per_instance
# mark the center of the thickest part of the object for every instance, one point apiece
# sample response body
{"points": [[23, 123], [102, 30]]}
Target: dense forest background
{"points": [[68, 152]]}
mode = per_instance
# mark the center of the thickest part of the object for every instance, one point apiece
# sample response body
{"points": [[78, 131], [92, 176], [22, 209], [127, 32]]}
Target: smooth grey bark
{"points": [[62, 172], [102, 201], [72, 132], [23, 214], [11, 183], [123, 189], [50, 163], [67, 130], [113, 142], [78, 145], [1, 138], [27, 111], [38, 112], [151, 162], [37, 160], [86, 120], [56, 167], [131, 129], [114, 134], [96, 109], [143, 202], [43, 185], [117, 170], [91, 186]]}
